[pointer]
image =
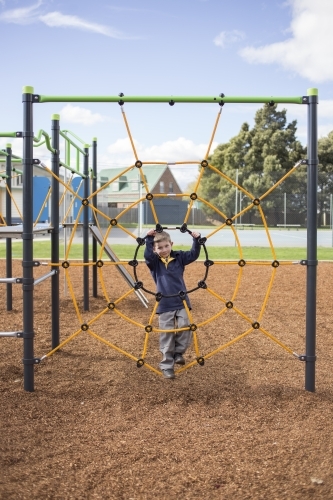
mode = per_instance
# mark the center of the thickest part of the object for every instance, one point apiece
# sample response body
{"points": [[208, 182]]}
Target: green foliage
{"points": [[325, 171], [263, 156]]}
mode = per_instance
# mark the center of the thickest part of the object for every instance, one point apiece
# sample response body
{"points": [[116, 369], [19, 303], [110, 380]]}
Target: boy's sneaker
{"points": [[179, 360], [168, 373]]}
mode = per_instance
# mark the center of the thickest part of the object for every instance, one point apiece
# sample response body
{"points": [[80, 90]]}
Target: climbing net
{"points": [[224, 305]]}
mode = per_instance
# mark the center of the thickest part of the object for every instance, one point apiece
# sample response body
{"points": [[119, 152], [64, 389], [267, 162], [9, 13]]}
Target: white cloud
{"points": [[77, 114], [324, 130], [121, 154], [180, 150], [228, 37], [28, 15], [16, 145], [325, 108], [59, 20], [171, 151], [122, 146], [23, 15], [299, 113], [308, 51]]}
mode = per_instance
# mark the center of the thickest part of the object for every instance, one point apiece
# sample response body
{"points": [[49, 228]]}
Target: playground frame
{"points": [[29, 98]]}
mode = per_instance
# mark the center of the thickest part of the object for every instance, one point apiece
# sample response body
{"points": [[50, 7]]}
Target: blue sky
{"points": [[159, 47]]}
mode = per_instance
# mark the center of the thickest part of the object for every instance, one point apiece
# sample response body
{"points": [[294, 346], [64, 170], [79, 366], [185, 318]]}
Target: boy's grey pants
{"points": [[173, 343]]}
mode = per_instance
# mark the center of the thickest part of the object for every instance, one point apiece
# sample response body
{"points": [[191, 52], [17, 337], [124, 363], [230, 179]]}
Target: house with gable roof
{"points": [[126, 189]]}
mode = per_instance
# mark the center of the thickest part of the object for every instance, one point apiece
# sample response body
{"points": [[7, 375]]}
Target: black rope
{"points": [[134, 263]]}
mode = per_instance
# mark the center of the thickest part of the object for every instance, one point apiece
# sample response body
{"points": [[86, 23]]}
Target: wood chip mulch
{"points": [[240, 427]]}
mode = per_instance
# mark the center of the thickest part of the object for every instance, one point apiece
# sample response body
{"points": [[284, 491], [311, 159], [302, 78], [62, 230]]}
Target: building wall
{"points": [[17, 207], [123, 199], [167, 178]]}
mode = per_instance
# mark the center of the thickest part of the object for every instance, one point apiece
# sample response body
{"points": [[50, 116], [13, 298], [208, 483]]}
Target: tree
{"points": [[325, 174], [262, 156]]}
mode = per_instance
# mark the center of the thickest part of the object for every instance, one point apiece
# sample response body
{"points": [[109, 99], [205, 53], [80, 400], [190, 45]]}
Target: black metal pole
{"points": [[27, 236], [9, 263], [311, 279], [86, 228], [94, 202], [55, 158]]}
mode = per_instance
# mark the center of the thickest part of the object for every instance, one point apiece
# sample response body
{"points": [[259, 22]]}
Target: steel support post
{"points": [[9, 264], [55, 158], [27, 236], [311, 279], [86, 227], [94, 202]]}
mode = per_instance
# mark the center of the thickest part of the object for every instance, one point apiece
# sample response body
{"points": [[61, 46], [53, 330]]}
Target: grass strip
{"points": [[42, 250]]}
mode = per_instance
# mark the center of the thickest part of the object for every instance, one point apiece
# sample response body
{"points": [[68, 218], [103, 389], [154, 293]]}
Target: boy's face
{"points": [[163, 248]]}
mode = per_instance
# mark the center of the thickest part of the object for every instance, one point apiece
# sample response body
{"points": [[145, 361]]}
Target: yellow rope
{"points": [[269, 335], [72, 200], [234, 183], [107, 184], [267, 232], [225, 307], [58, 179], [213, 134], [212, 318], [145, 346], [136, 323], [129, 133], [280, 180], [13, 200], [101, 278], [70, 287], [66, 189], [240, 274], [75, 334], [43, 206], [228, 344], [121, 351], [263, 307], [106, 310], [188, 211], [67, 250], [151, 319], [244, 316], [116, 348]]}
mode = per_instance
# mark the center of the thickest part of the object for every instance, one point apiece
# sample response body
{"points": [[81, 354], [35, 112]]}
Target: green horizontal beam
{"points": [[168, 99], [8, 134], [62, 164], [13, 160], [65, 132], [67, 139]]}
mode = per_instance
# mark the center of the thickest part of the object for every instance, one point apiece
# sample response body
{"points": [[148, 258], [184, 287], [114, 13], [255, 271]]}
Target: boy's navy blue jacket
{"points": [[169, 280]]}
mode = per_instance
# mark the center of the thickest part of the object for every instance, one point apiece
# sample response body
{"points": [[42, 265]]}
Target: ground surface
{"points": [[240, 427]]}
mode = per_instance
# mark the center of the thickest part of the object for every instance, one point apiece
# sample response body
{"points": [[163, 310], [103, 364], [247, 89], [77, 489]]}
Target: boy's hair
{"points": [[163, 236]]}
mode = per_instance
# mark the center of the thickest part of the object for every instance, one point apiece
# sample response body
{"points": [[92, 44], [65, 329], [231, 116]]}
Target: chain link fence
{"points": [[281, 209]]}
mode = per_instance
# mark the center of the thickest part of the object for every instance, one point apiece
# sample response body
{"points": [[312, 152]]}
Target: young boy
{"points": [[167, 269]]}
